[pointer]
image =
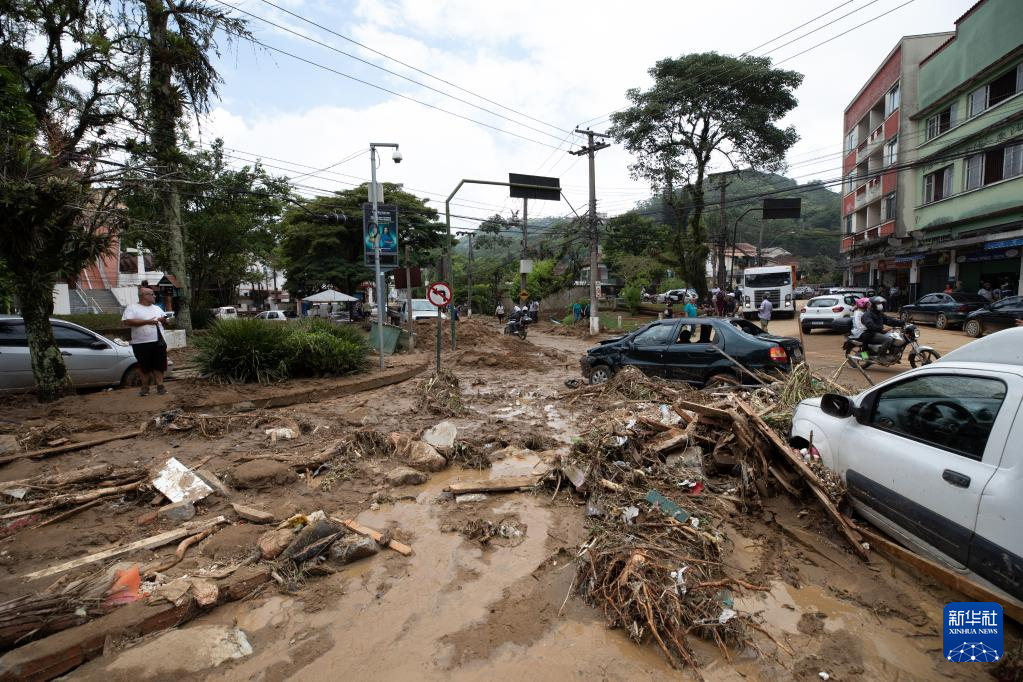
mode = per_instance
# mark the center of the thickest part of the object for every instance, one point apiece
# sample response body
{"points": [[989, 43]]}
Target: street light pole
{"points": [[375, 225], [735, 239]]}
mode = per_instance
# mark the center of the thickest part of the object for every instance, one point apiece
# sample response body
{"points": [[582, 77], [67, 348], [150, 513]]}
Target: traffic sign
{"points": [[439, 294]]}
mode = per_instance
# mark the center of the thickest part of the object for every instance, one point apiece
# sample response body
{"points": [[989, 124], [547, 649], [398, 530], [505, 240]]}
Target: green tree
{"points": [[316, 254], [231, 220], [632, 296], [704, 108], [58, 92]]}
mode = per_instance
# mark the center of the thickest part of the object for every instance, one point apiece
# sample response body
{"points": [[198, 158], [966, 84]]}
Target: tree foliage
{"points": [[316, 254], [704, 109]]}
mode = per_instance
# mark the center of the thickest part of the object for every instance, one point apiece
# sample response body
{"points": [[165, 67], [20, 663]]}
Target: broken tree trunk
{"points": [[71, 447]]}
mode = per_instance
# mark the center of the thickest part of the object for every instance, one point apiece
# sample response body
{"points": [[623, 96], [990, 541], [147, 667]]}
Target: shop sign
{"points": [[984, 256], [1004, 244]]}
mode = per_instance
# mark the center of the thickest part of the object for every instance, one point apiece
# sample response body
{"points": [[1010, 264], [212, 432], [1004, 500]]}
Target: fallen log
{"points": [[498, 485], [354, 526], [75, 499], [945, 576], [71, 447], [119, 550]]}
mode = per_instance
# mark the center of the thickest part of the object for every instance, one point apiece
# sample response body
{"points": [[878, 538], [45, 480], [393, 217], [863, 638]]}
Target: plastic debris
{"points": [[629, 513], [727, 615], [178, 483]]}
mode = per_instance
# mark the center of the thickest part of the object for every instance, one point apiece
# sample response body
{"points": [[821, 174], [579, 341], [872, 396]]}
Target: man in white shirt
{"points": [[764, 313], [147, 342]]}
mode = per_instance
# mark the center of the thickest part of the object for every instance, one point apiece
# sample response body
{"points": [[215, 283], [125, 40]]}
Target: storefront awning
{"points": [[1004, 244]]}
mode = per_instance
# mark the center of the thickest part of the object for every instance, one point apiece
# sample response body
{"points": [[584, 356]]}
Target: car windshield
{"points": [[655, 335], [768, 279], [968, 298], [422, 305]]}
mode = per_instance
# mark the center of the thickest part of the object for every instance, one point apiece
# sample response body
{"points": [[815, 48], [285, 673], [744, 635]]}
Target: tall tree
{"points": [[176, 77], [704, 109], [316, 254], [58, 92]]}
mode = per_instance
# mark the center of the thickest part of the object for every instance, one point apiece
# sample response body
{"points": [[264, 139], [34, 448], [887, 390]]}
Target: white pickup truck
{"points": [[934, 457]]}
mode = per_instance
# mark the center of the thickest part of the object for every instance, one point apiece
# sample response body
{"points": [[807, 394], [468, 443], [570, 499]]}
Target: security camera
{"points": [[396, 156]]}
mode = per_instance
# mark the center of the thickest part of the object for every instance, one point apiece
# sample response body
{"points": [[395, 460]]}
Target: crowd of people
{"points": [[987, 290]]}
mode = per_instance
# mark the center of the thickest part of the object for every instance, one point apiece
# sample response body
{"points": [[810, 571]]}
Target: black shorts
{"points": [[152, 356]]}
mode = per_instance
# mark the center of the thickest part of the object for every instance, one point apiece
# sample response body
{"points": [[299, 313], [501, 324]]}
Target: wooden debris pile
{"points": [[78, 490], [627, 384], [439, 394]]}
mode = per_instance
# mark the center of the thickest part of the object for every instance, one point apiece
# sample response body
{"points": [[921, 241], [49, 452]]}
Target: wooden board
{"points": [[71, 447], [668, 440], [497, 485], [354, 526], [118, 550], [705, 410], [945, 576]]}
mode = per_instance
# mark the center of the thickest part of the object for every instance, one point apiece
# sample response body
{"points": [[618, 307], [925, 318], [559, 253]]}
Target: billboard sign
{"points": [[552, 194], [782, 209], [386, 232]]}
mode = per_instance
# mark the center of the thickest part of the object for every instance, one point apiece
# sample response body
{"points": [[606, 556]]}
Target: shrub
{"points": [[321, 352], [94, 321], [345, 332], [244, 350], [632, 296]]}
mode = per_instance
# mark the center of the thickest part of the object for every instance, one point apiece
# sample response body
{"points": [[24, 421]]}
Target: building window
{"points": [[888, 207], [851, 181], [994, 165], [941, 122], [849, 224], [891, 101], [850, 141], [998, 90], [938, 185], [891, 151]]}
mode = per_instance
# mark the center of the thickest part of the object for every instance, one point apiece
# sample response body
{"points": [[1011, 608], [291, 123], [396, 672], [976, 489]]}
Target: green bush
{"points": [[632, 296], [94, 321], [250, 350], [244, 350]]}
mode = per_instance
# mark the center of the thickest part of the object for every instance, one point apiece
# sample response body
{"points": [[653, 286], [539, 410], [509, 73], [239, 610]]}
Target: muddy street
{"points": [[492, 585]]}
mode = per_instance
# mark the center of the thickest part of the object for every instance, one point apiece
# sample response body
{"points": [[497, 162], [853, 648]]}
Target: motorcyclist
{"points": [[862, 305], [874, 321]]}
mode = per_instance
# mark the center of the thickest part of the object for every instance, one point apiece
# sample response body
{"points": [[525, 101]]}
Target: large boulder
{"points": [[262, 473], [406, 476], [441, 436], [425, 457]]}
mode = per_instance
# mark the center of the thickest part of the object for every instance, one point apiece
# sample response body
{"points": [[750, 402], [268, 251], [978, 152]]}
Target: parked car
{"points": [[91, 360], [675, 295], [858, 292], [687, 349], [272, 315], [225, 313], [422, 309], [791, 345], [932, 456], [804, 292], [999, 315], [942, 310], [821, 312]]}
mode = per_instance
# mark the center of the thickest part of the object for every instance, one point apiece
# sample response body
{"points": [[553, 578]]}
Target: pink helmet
{"points": [[863, 302]]}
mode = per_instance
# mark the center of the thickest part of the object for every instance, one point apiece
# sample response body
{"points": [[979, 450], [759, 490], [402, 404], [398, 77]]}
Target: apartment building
{"points": [[879, 139], [968, 193]]}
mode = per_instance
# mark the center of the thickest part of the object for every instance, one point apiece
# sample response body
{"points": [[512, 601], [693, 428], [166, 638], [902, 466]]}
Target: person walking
{"points": [[764, 312], [719, 302], [690, 308], [500, 313], [985, 291], [577, 312], [669, 312], [534, 310], [147, 342]]}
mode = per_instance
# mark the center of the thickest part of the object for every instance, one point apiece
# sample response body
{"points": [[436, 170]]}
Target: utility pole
{"points": [[722, 234], [408, 296], [590, 150], [468, 275], [525, 248]]}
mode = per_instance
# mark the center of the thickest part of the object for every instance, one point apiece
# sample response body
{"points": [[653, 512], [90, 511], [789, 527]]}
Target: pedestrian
{"points": [[893, 296], [730, 304], [948, 287], [534, 310], [586, 311], [577, 312], [454, 311], [690, 308], [500, 313], [669, 312], [719, 303], [985, 291], [764, 313], [147, 342]]}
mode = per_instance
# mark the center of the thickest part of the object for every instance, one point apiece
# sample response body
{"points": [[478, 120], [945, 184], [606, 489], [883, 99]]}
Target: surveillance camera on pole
{"points": [[396, 156]]}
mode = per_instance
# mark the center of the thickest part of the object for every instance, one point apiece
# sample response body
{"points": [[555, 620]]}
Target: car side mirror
{"points": [[835, 405], [98, 345]]}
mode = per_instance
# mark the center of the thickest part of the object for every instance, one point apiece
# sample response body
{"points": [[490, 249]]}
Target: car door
{"points": [[924, 310], [15, 360], [646, 350], [694, 352], [922, 451], [89, 358]]}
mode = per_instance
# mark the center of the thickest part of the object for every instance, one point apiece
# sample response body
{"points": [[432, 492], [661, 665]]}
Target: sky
{"points": [[530, 70]]}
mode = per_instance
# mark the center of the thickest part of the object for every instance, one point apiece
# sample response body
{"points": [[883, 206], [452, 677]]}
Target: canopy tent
{"points": [[330, 296]]}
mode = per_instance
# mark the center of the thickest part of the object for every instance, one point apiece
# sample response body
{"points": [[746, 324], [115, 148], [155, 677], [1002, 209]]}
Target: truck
{"points": [[422, 309], [773, 282], [932, 457]]}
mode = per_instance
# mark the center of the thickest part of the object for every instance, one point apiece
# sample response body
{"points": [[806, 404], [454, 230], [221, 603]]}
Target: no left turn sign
{"points": [[439, 294]]}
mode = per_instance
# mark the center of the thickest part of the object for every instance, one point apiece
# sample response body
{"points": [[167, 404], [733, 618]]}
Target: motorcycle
{"points": [[865, 355], [518, 327]]}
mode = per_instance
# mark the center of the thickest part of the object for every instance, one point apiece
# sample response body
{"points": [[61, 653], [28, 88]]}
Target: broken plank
{"points": [[118, 550], [653, 423], [497, 485], [350, 524], [252, 514], [816, 486], [705, 410], [71, 447], [668, 440]]}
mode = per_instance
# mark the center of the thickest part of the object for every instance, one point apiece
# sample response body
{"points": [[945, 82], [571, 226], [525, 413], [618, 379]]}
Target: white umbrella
{"points": [[329, 296]]}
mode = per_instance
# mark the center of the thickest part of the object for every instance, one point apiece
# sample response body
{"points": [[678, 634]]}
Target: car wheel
{"points": [[973, 328], [807, 329], [131, 378], [941, 321], [721, 380], [905, 317], [600, 374], [924, 357]]}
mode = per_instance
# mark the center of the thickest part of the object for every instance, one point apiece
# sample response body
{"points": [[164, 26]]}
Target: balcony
{"points": [[868, 193], [871, 145]]}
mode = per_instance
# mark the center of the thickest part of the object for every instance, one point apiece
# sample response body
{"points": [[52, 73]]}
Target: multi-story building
{"points": [[968, 131], [877, 204]]}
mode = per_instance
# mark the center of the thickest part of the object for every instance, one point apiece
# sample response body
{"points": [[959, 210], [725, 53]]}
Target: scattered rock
{"points": [[273, 542], [470, 497], [262, 473], [147, 518], [406, 476], [280, 434], [179, 512], [252, 514], [353, 548], [191, 651], [441, 436], [8, 443], [690, 458], [509, 451], [211, 479], [312, 540], [425, 457], [205, 591]]}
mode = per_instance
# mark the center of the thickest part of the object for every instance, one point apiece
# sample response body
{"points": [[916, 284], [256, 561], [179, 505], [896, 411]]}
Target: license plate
{"points": [[818, 323]]}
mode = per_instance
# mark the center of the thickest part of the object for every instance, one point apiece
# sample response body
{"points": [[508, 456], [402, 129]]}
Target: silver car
{"points": [[91, 360]]}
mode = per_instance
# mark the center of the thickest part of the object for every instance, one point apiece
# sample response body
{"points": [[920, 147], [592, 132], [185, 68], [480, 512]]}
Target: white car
{"points": [[272, 315], [225, 313], [933, 457], [822, 311]]}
